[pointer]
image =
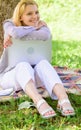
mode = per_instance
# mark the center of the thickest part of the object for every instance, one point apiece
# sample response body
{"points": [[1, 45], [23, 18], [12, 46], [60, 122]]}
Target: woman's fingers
{"points": [[40, 24], [7, 42]]}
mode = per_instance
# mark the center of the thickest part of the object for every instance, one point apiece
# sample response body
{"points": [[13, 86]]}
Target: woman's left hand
{"points": [[40, 24]]}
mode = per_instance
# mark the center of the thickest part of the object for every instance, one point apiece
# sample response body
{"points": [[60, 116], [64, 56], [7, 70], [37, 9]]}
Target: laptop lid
{"points": [[31, 51]]}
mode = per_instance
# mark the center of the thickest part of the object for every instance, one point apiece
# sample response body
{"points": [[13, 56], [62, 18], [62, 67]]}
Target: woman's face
{"points": [[30, 16]]}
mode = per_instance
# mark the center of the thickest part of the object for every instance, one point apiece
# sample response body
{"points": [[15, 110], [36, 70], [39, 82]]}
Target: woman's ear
{"points": [[20, 19]]}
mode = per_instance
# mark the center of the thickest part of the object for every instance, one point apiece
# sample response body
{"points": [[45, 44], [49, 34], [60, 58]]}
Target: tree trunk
{"points": [[6, 11]]}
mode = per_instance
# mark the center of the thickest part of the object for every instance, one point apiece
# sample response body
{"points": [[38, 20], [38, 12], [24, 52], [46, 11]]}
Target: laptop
{"points": [[31, 51]]}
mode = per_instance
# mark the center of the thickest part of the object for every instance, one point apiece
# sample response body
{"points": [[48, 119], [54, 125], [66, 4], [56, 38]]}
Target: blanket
{"points": [[71, 79]]}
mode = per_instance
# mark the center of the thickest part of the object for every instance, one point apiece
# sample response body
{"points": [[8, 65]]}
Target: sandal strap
{"points": [[68, 108], [47, 110], [63, 109], [40, 102], [38, 105], [61, 102]]}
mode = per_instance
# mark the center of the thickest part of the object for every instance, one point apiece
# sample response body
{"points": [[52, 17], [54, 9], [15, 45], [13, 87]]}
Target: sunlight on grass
{"points": [[63, 18], [66, 53]]}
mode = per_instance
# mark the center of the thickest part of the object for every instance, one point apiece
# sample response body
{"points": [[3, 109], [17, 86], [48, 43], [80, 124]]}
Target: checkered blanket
{"points": [[71, 79]]}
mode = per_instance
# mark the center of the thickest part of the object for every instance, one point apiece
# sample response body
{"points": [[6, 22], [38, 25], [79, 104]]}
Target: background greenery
{"points": [[63, 17], [64, 20]]}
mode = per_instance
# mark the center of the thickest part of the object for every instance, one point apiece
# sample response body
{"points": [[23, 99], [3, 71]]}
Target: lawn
{"points": [[64, 20], [28, 119], [66, 53]]}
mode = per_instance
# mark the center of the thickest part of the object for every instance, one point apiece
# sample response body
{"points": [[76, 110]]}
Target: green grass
{"points": [[28, 119], [64, 19], [66, 53]]}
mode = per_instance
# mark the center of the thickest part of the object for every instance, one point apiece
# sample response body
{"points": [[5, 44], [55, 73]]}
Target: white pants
{"points": [[43, 74]]}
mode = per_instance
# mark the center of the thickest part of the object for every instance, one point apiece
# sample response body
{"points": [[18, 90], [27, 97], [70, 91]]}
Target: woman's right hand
{"points": [[7, 41]]}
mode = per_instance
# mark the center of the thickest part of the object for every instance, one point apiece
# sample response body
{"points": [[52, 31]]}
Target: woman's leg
{"points": [[31, 91], [52, 82], [64, 105], [22, 77], [47, 76], [60, 92], [25, 78]]}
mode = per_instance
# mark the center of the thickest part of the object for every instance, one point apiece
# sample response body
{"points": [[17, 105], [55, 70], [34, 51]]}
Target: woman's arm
{"points": [[10, 30], [39, 32], [42, 34], [16, 31]]}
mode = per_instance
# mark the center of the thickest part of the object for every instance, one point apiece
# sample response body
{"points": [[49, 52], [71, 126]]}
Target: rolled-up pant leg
{"points": [[48, 76], [18, 77], [8, 80], [24, 73]]}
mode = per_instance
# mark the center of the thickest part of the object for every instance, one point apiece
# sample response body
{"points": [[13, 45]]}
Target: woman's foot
{"points": [[44, 109], [64, 106]]}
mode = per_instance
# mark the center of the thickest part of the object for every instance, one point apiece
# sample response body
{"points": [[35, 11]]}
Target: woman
{"points": [[26, 22]]}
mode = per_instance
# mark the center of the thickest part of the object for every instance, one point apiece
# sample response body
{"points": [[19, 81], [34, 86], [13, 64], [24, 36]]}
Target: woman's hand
{"points": [[7, 41], [40, 24]]}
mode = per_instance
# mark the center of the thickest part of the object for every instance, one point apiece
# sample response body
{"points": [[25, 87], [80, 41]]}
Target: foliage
{"points": [[63, 18]]}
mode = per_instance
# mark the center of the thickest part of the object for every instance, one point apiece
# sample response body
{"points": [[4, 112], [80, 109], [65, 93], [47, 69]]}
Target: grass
{"points": [[66, 53], [64, 19], [29, 119]]}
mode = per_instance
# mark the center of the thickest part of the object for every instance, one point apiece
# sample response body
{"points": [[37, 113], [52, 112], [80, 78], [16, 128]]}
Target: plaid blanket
{"points": [[71, 79]]}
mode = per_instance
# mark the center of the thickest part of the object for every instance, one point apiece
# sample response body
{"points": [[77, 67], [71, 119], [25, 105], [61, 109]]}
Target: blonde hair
{"points": [[19, 9]]}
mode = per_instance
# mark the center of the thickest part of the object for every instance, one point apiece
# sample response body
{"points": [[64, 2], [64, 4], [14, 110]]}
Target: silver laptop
{"points": [[31, 51]]}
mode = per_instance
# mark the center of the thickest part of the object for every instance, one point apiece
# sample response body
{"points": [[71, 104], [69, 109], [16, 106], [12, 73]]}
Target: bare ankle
{"points": [[37, 98], [62, 98], [60, 92]]}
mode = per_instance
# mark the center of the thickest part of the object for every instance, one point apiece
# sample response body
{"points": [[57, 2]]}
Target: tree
{"points": [[6, 11]]}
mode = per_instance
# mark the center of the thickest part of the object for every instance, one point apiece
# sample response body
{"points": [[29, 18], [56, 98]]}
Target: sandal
{"points": [[65, 111], [43, 112]]}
